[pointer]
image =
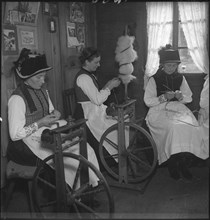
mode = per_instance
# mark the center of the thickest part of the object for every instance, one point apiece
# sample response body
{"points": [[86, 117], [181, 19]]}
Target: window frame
{"points": [[175, 33]]}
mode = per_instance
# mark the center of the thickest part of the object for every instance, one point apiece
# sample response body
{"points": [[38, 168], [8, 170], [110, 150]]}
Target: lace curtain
{"points": [[194, 21], [159, 29]]}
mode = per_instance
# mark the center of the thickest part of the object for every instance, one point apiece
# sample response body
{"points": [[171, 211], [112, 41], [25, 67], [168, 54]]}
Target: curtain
{"points": [[194, 21], [159, 30]]}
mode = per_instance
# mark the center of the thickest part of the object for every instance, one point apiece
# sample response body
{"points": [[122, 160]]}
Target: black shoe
{"points": [[173, 165], [174, 174], [183, 167], [186, 173]]}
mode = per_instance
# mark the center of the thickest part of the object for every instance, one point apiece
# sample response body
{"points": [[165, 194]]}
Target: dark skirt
{"points": [[20, 153]]}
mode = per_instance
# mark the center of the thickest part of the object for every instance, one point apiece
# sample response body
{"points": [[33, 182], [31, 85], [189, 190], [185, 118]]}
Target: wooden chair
{"points": [[69, 102], [14, 172]]}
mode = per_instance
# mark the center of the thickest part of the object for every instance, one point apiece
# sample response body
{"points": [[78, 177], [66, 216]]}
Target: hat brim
{"points": [[35, 73]]}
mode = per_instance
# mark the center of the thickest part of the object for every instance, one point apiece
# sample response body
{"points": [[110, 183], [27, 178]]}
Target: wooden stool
{"points": [[16, 171]]}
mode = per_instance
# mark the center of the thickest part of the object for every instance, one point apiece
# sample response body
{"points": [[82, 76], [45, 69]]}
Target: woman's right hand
{"points": [[115, 82], [169, 95], [47, 121]]}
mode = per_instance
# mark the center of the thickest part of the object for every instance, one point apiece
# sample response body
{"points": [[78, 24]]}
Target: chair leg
{"points": [[31, 205], [10, 190]]}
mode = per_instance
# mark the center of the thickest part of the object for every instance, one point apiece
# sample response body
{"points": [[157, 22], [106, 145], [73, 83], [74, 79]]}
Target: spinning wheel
{"points": [[50, 192], [138, 160], [134, 149]]}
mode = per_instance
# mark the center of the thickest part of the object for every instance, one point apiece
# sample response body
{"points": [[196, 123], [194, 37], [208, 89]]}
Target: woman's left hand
{"points": [[56, 114], [178, 95]]}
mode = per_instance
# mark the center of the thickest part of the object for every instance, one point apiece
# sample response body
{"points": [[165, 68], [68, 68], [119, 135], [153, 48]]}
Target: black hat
{"points": [[168, 55], [29, 65]]}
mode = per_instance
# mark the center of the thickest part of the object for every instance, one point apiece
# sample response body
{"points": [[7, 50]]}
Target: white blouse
{"points": [[17, 119], [151, 98], [85, 82]]}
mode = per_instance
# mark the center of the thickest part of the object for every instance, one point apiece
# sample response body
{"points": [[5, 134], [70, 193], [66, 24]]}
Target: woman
{"points": [[90, 99], [30, 111], [173, 127]]}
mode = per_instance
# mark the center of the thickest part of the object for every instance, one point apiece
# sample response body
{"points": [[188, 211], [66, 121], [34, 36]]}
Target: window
{"points": [[178, 41]]}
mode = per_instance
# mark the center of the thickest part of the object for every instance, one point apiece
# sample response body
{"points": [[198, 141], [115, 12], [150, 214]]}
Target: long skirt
{"points": [[175, 129]]}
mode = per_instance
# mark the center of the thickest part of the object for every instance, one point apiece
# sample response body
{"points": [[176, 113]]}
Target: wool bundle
{"points": [[125, 55]]}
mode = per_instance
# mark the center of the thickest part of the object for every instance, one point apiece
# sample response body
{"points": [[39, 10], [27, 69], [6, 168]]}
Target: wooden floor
{"points": [[164, 198]]}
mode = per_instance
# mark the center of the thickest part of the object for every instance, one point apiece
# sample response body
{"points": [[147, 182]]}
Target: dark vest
{"points": [[166, 82], [80, 95], [36, 101]]}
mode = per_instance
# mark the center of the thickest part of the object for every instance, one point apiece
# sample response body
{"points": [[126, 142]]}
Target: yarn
{"points": [[125, 55]]}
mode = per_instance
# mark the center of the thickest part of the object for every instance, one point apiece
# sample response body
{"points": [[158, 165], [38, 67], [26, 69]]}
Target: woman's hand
{"points": [[178, 95], [169, 95], [56, 113], [47, 121], [115, 82]]}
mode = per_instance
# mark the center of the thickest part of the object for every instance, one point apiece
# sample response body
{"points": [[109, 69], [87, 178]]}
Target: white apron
{"points": [[175, 129], [98, 122], [70, 165]]}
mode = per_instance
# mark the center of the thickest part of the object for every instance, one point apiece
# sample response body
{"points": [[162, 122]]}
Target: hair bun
{"points": [[168, 46], [24, 54]]}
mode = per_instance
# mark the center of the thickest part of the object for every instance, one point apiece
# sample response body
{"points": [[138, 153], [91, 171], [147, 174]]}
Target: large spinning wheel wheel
{"points": [[134, 151], [77, 198], [53, 196]]}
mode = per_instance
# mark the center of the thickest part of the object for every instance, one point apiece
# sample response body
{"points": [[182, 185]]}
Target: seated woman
{"points": [[173, 126], [30, 111], [90, 99]]}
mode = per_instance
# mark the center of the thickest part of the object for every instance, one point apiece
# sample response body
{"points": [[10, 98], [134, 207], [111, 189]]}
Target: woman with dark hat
{"points": [[30, 111], [173, 126]]}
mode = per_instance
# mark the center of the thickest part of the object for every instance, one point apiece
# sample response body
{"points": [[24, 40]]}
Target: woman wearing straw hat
{"points": [[173, 126]]}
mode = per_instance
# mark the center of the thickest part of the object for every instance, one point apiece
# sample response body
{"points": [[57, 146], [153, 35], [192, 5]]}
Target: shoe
{"points": [[174, 174], [186, 173], [183, 167], [173, 165]]}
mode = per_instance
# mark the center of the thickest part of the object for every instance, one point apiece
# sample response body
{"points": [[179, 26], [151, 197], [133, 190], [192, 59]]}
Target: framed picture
{"points": [[71, 35], [46, 8], [52, 25], [77, 12], [21, 12], [27, 37], [81, 33], [9, 40]]}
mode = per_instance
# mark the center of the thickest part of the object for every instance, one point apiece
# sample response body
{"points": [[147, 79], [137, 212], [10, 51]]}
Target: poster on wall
{"points": [[9, 40], [27, 37], [22, 12], [81, 36], [77, 12], [72, 40]]}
